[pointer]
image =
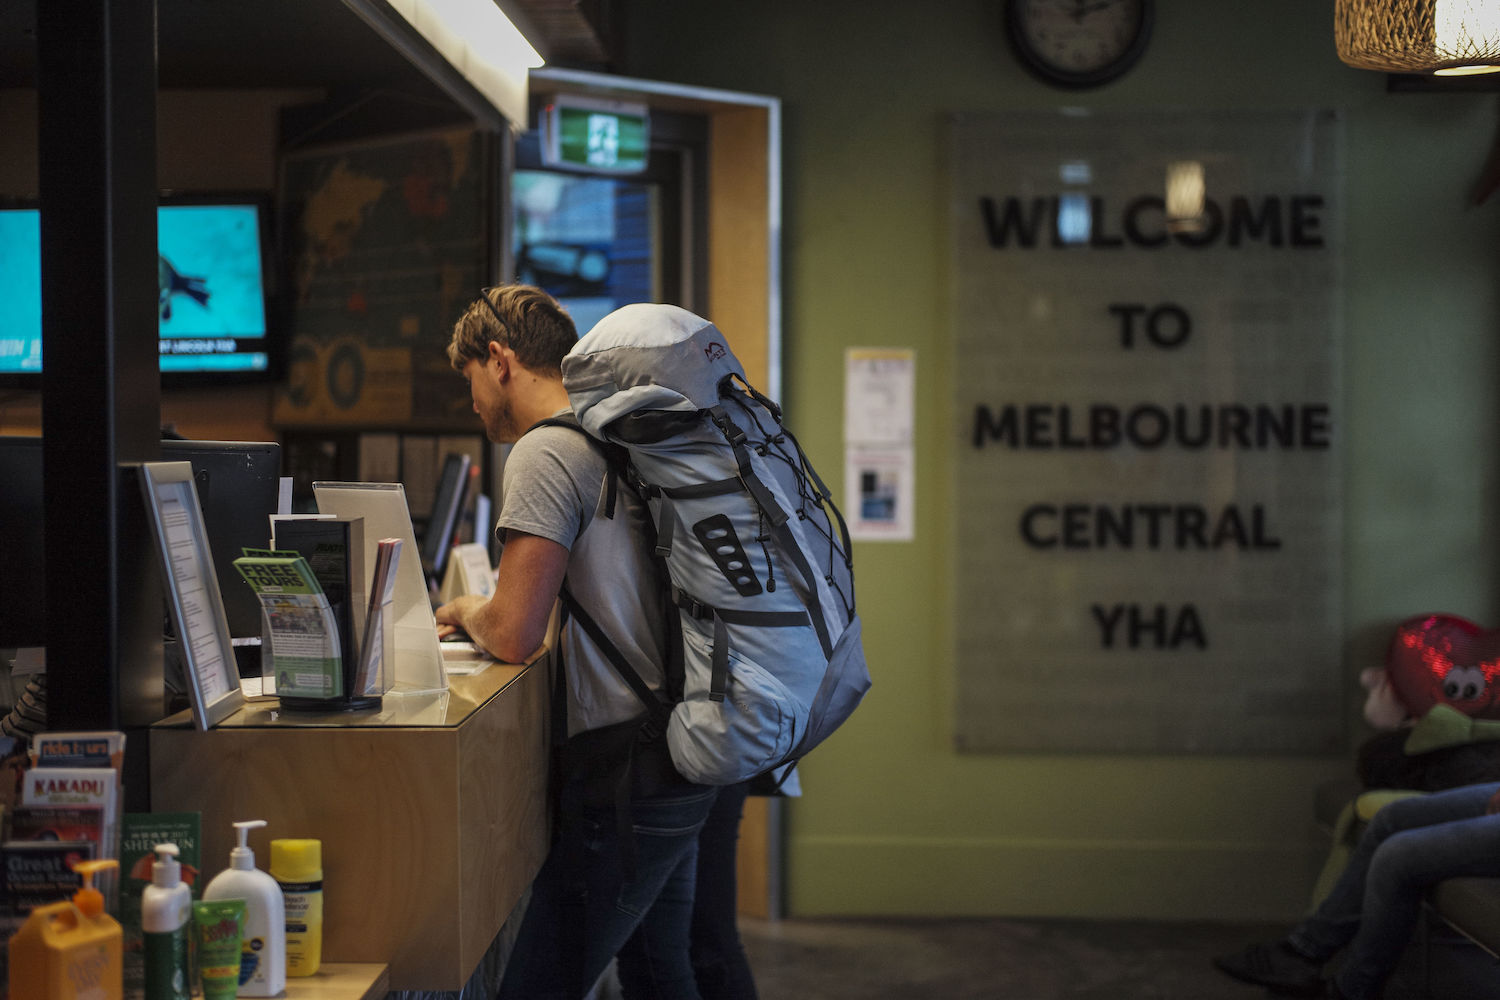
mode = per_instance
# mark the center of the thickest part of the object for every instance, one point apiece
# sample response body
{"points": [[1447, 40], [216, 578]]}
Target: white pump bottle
{"points": [[263, 954], [166, 909]]}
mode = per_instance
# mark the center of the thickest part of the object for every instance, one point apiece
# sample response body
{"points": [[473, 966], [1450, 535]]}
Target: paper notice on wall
{"points": [[879, 493], [879, 416]]}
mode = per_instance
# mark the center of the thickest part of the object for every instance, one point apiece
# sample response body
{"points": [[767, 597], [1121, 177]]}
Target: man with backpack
{"points": [[626, 824]]}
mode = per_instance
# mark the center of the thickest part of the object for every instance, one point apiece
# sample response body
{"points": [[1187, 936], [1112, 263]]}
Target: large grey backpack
{"points": [[757, 552]]}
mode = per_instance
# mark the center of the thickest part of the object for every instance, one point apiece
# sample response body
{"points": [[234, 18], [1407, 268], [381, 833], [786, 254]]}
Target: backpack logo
{"points": [[715, 351]]}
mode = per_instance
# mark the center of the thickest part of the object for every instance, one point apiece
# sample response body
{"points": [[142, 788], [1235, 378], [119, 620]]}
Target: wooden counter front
{"points": [[432, 812]]}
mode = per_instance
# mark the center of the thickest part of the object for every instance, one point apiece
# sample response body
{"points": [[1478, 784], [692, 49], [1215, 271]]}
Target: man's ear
{"points": [[501, 355]]}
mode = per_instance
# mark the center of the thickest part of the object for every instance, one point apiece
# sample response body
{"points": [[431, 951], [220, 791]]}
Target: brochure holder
{"points": [[367, 675], [376, 674], [417, 664]]}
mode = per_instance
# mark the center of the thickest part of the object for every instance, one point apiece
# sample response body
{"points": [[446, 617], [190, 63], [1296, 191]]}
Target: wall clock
{"points": [[1079, 43]]}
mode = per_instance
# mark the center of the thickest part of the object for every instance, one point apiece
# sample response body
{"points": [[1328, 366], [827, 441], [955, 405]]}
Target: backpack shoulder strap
{"points": [[614, 454], [618, 459], [628, 673]]}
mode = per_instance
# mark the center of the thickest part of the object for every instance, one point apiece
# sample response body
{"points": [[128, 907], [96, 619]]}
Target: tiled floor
{"points": [[1017, 960], [980, 959], [1046, 960]]}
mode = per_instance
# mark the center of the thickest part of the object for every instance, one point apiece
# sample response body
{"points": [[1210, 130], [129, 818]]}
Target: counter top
{"points": [[398, 708], [341, 981]]}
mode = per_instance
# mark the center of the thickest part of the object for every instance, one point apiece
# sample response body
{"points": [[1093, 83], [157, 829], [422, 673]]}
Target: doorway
{"points": [[727, 267], [598, 241]]}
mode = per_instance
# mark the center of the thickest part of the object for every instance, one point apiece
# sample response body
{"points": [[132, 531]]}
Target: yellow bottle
{"points": [[298, 866], [69, 951]]}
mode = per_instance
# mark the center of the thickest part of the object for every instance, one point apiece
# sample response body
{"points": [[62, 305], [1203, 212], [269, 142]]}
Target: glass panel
{"points": [[1147, 515], [593, 242]]}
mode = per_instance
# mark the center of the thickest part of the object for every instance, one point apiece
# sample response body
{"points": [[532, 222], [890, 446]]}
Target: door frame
{"points": [[744, 296]]}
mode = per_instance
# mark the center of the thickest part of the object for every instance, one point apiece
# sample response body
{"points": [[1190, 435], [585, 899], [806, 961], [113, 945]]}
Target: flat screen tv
{"points": [[214, 280]]}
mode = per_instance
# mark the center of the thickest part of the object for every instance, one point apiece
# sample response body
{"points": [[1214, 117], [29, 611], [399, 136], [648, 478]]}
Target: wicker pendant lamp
{"points": [[1445, 37]]}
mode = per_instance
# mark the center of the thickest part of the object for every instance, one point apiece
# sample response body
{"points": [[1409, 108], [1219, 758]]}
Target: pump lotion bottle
{"points": [[166, 911], [263, 951]]}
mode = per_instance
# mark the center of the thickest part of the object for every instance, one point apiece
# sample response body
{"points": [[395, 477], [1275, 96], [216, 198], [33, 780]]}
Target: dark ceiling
{"points": [[299, 43]]}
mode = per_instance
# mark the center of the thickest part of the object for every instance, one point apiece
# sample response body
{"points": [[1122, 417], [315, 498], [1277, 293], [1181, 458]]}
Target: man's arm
{"points": [[512, 623]]}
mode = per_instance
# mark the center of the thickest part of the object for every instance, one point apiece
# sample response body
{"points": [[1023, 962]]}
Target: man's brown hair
{"points": [[521, 317]]}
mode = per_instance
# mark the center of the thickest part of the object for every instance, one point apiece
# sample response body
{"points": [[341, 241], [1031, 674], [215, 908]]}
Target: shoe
{"points": [[1276, 966]]}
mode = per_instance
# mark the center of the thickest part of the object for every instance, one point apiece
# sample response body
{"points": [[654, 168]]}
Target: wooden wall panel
{"points": [[739, 235]]}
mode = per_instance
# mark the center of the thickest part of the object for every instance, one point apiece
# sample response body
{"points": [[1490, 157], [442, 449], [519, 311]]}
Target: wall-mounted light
{"points": [[482, 44], [1185, 195], [1443, 37]]}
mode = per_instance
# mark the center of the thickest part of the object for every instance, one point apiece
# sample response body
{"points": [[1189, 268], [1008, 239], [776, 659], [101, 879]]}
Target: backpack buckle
{"points": [[690, 604], [731, 430]]}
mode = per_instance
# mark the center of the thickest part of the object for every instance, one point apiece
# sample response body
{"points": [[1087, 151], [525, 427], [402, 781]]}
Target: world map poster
{"points": [[385, 243]]}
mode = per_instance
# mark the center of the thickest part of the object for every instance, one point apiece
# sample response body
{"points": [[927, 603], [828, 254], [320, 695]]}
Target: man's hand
{"points": [[450, 617], [512, 624]]}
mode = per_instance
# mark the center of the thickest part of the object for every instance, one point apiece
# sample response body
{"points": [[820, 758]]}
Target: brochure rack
{"points": [[367, 676]]}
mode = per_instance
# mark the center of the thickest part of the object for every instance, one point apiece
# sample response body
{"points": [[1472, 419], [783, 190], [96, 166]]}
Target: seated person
{"points": [[1409, 846], [1436, 716]]}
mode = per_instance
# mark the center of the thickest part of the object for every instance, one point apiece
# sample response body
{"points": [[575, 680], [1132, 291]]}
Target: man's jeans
{"points": [[1410, 845], [720, 966], [582, 909]]}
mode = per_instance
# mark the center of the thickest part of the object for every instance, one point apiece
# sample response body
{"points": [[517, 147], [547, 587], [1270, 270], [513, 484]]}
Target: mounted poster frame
{"points": [[387, 241], [192, 591]]}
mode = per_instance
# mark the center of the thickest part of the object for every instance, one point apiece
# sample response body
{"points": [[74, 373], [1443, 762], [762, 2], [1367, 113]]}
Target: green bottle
{"points": [[166, 909]]}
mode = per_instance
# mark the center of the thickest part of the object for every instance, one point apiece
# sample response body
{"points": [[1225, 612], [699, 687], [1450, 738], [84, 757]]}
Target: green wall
{"points": [[893, 821]]}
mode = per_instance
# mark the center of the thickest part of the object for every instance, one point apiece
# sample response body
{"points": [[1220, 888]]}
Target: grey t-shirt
{"points": [[553, 487]]}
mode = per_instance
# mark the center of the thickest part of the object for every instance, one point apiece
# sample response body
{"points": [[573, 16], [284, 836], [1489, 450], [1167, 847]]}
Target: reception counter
{"points": [[432, 811], [341, 981]]}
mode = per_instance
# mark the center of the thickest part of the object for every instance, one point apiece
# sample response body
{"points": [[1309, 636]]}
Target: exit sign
{"points": [[595, 135]]}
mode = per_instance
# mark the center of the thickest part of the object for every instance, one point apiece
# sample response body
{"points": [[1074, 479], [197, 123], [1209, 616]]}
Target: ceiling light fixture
{"points": [[1442, 37], [482, 43]]}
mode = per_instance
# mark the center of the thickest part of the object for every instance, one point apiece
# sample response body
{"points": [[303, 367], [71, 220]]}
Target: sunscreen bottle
{"points": [[298, 866], [218, 925], [166, 915], [69, 950], [263, 948]]}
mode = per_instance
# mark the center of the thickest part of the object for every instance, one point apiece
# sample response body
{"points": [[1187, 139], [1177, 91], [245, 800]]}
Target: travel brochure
{"points": [[139, 835], [304, 635], [306, 654], [367, 679], [68, 811]]}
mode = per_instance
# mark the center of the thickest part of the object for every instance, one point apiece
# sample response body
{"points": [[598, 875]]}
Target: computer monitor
{"points": [[217, 319], [442, 523], [238, 485], [23, 611]]}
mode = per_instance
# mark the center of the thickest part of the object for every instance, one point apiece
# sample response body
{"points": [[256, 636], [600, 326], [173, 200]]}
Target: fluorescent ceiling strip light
{"points": [[482, 43]]}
